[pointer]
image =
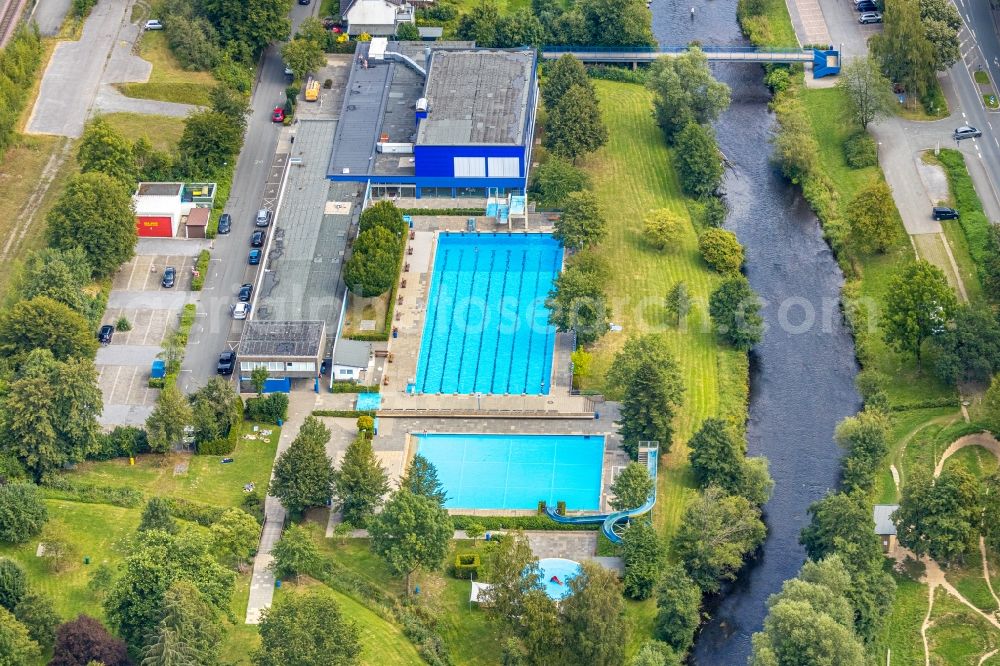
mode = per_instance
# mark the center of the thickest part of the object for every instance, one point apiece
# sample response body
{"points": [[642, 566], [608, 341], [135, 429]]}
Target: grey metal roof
{"points": [[430, 32], [361, 116], [159, 189], [883, 522], [352, 353], [291, 339], [477, 96]]}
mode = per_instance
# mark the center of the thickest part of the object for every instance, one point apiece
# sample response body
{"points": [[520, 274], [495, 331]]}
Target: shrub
{"points": [[437, 212], [270, 408], [22, 512], [60, 487], [201, 266], [777, 79], [82, 7], [123, 325], [222, 446], [721, 249], [697, 160], [120, 442], [662, 229], [519, 523], [342, 413], [714, 212], [253, 503], [352, 387], [328, 83], [860, 151], [619, 74], [467, 565], [203, 514]]}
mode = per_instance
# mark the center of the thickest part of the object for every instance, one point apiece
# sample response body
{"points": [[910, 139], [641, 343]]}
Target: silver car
{"points": [[241, 310], [870, 17], [967, 132]]}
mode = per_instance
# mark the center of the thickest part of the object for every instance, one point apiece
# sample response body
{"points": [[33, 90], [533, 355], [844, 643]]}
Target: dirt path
{"points": [[983, 439], [986, 570]]}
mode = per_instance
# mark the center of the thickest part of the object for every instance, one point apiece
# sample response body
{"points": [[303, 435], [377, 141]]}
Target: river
{"points": [[802, 374]]}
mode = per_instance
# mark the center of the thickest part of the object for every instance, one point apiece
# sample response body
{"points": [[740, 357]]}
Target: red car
{"points": [[278, 115]]}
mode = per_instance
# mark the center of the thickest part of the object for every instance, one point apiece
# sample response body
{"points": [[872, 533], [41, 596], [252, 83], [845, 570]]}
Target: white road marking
{"points": [[996, 142]]}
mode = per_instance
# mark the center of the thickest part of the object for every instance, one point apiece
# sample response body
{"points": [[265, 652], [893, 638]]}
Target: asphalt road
{"points": [[214, 329]]}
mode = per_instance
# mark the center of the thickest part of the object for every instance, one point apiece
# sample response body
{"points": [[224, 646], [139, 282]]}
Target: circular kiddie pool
{"points": [[556, 574]]}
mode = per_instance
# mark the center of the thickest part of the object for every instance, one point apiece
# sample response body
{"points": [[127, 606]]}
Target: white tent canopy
{"points": [[478, 589]]}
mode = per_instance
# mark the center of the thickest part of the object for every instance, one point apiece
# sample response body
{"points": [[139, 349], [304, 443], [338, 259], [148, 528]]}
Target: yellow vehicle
{"points": [[312, 90]]}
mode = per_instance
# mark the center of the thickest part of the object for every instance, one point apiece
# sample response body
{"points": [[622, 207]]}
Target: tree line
{"points": [[19, 62]]}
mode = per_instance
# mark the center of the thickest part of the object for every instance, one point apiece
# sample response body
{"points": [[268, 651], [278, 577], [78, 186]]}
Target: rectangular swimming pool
{"points": [[486, 328], [516, 471]]}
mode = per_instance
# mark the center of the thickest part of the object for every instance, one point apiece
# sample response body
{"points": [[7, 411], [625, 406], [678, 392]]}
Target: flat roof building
{"points": [[286, 348], [442, 120]]}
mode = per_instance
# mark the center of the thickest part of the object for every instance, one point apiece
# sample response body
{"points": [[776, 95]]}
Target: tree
{"points": [[13, 584], [156, 516], [684, 91], [594, 617], [553, 181], [155, 561], [721, 249], [902, 48], [295, 553], [918, 302], [480, 24], [868, 92], [581, 223], [643, 554], [215, 410], [474, 531], [562, 75], [698, 161], [412, 532], [188, 633], [421, 479], [944, 42], [716, 456], [57, 274], [84, 640], [235, 536], [655, 653], [22, 512], [374, 263], [43, 323], [865, 437], [104, 150], [252, 24], [717, 533], [165, 425], [617, 22], [16, 646], [306, 629], [632, 487], [361, 483], [209, 141], [872, 218], [48, 415], [939, 516], [678, 303], [578, 303], [407, 32], [735, 311], [36, 613], [302, 56], [810, 622], [520, 28], [258, 378], [385, 214], [647, 411], [653, 348], [678, 608], [514, 575], [231, 103], [303, 474], [663, 229], [95, 213], [968, 350], [991, 511], [575, 126]]}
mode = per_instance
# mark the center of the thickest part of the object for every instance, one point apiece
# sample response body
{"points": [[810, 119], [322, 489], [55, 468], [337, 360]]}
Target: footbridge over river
{"points": [[825, 62]]}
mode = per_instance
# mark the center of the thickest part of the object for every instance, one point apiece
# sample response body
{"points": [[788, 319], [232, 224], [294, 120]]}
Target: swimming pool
{"points": [[556, 572], [516, 471], [486, 328]]}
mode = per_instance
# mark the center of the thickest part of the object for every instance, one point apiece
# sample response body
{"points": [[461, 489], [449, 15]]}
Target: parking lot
{"points": [[144, 273]]}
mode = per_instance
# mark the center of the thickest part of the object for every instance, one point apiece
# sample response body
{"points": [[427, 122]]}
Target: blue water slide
{"points": [[649, 455]]}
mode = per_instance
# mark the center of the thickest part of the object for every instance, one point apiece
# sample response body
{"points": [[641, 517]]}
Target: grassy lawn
{"points": [[240, 639], [207, 480], [969, 581], [966, 266], [906, 427], [633, 175], [771, 28], [168, 82], [365, 309], [163, 132], [974, 459], [901, 633], [958, 635]]}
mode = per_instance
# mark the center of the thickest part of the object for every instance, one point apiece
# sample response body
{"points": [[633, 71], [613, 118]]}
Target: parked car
{"points": [[967, 132], [154, 24], [254, 257], [263, 218], [870, 17], [304, 2], [169, 277], [866, 6], [227, 362], [257, 238], [944, 213], [105, 334], [246, 291], [225, 223], [278, 115], [240, 310], [289, 74]]}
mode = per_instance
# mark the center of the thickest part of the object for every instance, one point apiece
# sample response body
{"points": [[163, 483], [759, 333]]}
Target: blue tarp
{"points": [[159, 370], [275, 385]]}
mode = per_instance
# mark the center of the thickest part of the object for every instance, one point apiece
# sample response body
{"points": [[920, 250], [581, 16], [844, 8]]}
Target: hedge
{"points": [[520, 523], [270, 408], [467, 565], [203, 514], [343, 413], [973, 221], [351, 387], [198, 281], [619, 74], [945, 401], [222, 446], [464, 212], [62, 488]]}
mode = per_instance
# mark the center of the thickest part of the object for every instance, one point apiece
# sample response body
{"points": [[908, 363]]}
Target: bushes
{"points": [[270, 408], [201, 268], [222, 446], [120, 442], [975, 226], [467, 565], [464, 212], [721, 250], [19, 63], [81, 8], [352, 387], [619, 74], [342, 413], [860, 151], [203, 514], [60, 487], [518, 523], [697, 160]]}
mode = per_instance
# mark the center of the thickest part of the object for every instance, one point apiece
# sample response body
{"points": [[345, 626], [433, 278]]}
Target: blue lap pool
{"points": [[516, 471], [486, 328]]}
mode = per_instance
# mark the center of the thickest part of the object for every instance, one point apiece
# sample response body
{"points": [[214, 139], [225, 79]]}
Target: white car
{"points": [[241, 310], [154, 24]]}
